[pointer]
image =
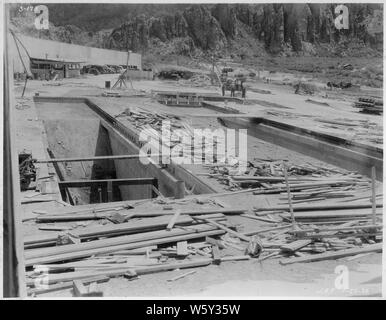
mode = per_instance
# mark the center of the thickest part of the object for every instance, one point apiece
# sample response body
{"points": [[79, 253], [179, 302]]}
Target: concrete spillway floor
{"points": [[314, 277]]}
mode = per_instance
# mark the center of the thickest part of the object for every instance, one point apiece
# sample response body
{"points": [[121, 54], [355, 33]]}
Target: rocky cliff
{"points": [[238, 29], [280, 27]]}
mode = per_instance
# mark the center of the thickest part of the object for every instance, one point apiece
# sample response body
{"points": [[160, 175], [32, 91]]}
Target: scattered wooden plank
{"points": [[295, 245], [358, 256], [173, 220], [103, 215], [216, 255], [182, 248], [235, 258], [55, 228], [81, 291], [65, 285], [154, 223], [215, 242], [258, 218], [251, 233], [54, 278], [220, 226], [182, 275], [115, 241], [335, 255], [313, 207], [336, 215], [108, 249]]}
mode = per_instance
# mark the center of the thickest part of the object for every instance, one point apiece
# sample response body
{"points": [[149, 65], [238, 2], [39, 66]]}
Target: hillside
{"points": [[239, 30]]}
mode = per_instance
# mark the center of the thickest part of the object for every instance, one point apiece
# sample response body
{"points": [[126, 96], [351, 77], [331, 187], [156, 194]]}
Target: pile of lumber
{"points": [[122, 242], [369, 105], [267, 177], [181, 133], [141, 118], [319, 233], [79, 246]]}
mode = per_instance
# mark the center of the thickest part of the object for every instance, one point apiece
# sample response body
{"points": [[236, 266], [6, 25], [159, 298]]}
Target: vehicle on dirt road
{"points": [[233, 85]]}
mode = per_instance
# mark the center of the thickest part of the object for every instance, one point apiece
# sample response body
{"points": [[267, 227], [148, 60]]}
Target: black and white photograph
{"points": [[192, 150]]}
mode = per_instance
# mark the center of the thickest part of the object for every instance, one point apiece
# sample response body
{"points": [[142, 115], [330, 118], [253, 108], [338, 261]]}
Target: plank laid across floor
{"points": [[125, 246], [96, 215], [335, 255], [312, 207]]}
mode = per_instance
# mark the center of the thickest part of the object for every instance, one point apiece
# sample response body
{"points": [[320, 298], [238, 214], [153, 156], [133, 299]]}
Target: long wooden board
{"points": [[335, 255], [125, 246], [135, 213]]}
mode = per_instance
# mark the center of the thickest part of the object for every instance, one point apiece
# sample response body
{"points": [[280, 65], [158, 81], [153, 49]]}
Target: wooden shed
{"points": [[45, 69]]}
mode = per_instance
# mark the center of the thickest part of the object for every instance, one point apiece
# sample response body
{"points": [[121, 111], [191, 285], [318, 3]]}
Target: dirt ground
{"points": [[244, 278]]}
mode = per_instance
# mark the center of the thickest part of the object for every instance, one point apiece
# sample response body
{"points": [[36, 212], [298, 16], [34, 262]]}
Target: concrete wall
{"points": [[54, 50], [299, 140], [133, 168]]}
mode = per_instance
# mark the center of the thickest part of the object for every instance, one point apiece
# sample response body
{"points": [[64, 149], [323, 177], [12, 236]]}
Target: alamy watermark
{"points": [[341, 21], [41, 21], [194, 146]]}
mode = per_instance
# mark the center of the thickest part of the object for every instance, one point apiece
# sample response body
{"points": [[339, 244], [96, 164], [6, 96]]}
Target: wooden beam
{"points": [[173, 220], [115, 182], [182, 275], [373, 195], [13, 262], [96, 158], [295, 245], [220, 226], [289, 196], [70, 276], [100, 246], [335, 255], [96, 215], [316, 207], [81, 291], [136, 237], [117, 272], [216, 255], [182, 248], [65, 285]]}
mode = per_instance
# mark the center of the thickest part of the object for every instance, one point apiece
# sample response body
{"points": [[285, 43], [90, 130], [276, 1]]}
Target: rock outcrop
{"points": [[282, 28]]}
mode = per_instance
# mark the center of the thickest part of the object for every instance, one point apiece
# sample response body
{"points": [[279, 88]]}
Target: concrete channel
{"points": [[77, 127], [340, 152], [96, 133]]}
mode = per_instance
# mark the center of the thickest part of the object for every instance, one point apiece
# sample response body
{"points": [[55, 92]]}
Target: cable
{"points": [[21, 59]]}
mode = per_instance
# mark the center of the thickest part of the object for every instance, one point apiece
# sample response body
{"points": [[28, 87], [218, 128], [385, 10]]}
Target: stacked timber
{"points": [[96, 246], [267, 177], [369, 105], [330, 216], [154, 124]]}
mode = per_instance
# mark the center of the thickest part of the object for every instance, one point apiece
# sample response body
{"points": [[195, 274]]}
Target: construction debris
{"points": [[369, 105], [157, 241], [27, 170]]}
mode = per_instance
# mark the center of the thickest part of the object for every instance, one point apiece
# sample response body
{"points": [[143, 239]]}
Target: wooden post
{"points": [[373, 195], [110, 191], [289, 195], [179, 192], [100, 194], [13, 253]]}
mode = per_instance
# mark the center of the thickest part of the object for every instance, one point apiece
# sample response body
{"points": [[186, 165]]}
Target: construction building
{"points": [[43, 56]]}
